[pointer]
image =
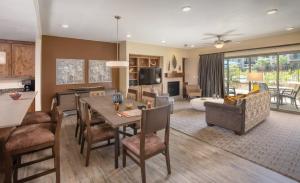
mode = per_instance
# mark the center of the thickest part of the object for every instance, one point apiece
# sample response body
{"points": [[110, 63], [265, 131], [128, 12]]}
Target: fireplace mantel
{"points": [[174, 74]]}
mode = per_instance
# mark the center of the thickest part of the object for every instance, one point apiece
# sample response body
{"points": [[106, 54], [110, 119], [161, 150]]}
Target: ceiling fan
{"points": [[220, 38]]}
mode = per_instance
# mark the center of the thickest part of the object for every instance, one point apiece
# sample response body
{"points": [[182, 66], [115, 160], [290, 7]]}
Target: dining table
{"points": [[106, 108], [12, 113]]}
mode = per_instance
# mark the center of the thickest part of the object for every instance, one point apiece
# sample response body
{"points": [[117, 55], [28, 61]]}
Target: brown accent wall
{"points": [[58, 47]]}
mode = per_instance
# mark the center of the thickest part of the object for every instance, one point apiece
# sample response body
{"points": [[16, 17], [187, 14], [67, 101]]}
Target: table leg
{"points": [[117, 146]]}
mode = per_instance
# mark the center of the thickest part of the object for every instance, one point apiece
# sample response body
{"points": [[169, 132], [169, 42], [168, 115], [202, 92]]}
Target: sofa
{"points": [[240, 118]]}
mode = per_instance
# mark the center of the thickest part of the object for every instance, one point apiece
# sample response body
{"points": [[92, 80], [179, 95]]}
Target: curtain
{"points": [[211, 74]]}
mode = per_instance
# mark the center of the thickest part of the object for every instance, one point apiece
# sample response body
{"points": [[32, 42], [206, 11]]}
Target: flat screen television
{"points": [[150, 75]]}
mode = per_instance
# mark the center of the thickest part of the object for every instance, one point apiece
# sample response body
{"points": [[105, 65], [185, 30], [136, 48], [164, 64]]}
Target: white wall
{"points": [[191, 71]]}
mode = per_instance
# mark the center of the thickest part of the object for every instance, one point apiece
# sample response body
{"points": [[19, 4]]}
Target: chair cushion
{"points": [[153, 144], [195, 94], [100, 132], [36, 117], [29, 136]]}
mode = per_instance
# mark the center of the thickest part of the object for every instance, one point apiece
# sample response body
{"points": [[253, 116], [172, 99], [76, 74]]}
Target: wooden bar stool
{"points": [[30, 139], [40, 116]]}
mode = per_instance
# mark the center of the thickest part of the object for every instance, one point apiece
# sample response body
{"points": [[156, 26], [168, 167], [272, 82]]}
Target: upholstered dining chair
{"points": [[132, 94], [149, 97], [93, 134], [40, 116], [80, 125], [147, 144], [30, 139]]}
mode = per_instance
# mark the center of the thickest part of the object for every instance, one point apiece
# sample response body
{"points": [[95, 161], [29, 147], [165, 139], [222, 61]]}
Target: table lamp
{"points": [[254, 77]]}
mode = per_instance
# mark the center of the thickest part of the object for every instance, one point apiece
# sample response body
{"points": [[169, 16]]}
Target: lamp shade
{"points": [[117, 64], [2, 57], [255, 76]]}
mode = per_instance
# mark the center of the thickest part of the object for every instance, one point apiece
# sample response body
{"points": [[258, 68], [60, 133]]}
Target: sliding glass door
{"points": [[289, 82], [267, 65], [281, 74], [236, 70]]}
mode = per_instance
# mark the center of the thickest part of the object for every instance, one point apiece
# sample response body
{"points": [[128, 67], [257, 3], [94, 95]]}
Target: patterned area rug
{"points": [[274, 144]]}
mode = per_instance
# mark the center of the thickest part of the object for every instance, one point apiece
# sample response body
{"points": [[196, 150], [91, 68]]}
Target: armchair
{"points": [[193, 91]]}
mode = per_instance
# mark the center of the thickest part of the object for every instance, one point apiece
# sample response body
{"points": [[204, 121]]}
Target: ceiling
{"points": [[148, 21], [17, 20]]}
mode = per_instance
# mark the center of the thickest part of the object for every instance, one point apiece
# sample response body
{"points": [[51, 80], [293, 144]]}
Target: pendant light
{"points": [[117, 63]]}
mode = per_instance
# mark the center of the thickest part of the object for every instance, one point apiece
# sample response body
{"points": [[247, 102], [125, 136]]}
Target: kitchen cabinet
{"points": [[5, 69], [22, 60], [19, 59]]}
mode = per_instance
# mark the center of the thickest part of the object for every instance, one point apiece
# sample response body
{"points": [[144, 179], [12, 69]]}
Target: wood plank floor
{"points": [[191, 161]]}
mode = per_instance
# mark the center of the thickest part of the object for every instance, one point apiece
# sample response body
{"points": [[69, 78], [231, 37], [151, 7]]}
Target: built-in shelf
{"points": [[140, 61]]}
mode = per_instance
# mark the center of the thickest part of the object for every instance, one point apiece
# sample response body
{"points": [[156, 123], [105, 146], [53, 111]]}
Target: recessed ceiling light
{"points": [[192, 46], [163, 41], [289, 28], [272, 11], [186, 8], [65, 26], [128, 35]]}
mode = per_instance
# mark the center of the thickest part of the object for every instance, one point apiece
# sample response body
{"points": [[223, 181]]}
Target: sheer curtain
{"points": [[211, 74]]}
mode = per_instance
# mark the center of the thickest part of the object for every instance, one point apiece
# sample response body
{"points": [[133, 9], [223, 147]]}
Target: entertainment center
{"points": [[138, 62]]}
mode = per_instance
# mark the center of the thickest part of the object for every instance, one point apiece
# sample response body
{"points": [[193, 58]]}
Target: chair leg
{"points": [[88, 152], [168, 160], [124, 130], [8, 169], [15, 172], [143, 170], [124, 157], [57, 163], [80, 133], [82, 145], [76, 129]]}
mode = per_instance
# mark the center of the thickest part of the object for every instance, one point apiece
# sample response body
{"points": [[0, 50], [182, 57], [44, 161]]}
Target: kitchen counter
{"points": [[12, 111]]}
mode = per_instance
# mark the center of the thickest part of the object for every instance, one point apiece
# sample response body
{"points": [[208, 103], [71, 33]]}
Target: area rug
{"points": [[274, 144]]}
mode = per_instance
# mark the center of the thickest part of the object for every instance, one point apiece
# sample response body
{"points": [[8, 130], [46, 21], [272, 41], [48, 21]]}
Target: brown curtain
{"points": [[211, 74]]}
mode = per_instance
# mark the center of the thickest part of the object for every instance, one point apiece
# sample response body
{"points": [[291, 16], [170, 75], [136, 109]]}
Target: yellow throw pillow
{"points": [[233, 100], [255, 87]]}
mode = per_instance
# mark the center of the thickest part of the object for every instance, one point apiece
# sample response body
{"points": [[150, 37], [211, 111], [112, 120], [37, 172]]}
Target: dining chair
{"points": [[28, 140], [132, 94], [80, 125], [93, 134], [149, 97], [147, 144], [40, 116]]}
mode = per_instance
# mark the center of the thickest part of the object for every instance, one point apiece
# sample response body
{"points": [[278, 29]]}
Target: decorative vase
{"points": [[174, 62], [117, 98]]}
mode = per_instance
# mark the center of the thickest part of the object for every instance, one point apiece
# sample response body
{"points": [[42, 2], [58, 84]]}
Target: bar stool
{"points": [[29, 139], [39, 116]]}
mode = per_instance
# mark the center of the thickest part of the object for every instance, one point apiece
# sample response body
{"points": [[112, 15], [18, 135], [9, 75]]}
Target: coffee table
{"points": [[198, 103]]}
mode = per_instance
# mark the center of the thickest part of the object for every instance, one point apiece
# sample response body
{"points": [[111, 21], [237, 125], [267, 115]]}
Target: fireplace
{"points": [[173, 88]]}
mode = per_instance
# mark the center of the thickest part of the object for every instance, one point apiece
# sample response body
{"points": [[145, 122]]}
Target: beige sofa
{"points": [[241, 118]]}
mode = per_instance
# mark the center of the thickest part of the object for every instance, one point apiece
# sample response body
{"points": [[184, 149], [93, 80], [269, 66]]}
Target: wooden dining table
{"points": [[12, 113], [105, 107]]}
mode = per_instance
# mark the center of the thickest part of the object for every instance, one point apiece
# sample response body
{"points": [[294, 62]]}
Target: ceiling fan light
{"points": [[219, 45]]}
